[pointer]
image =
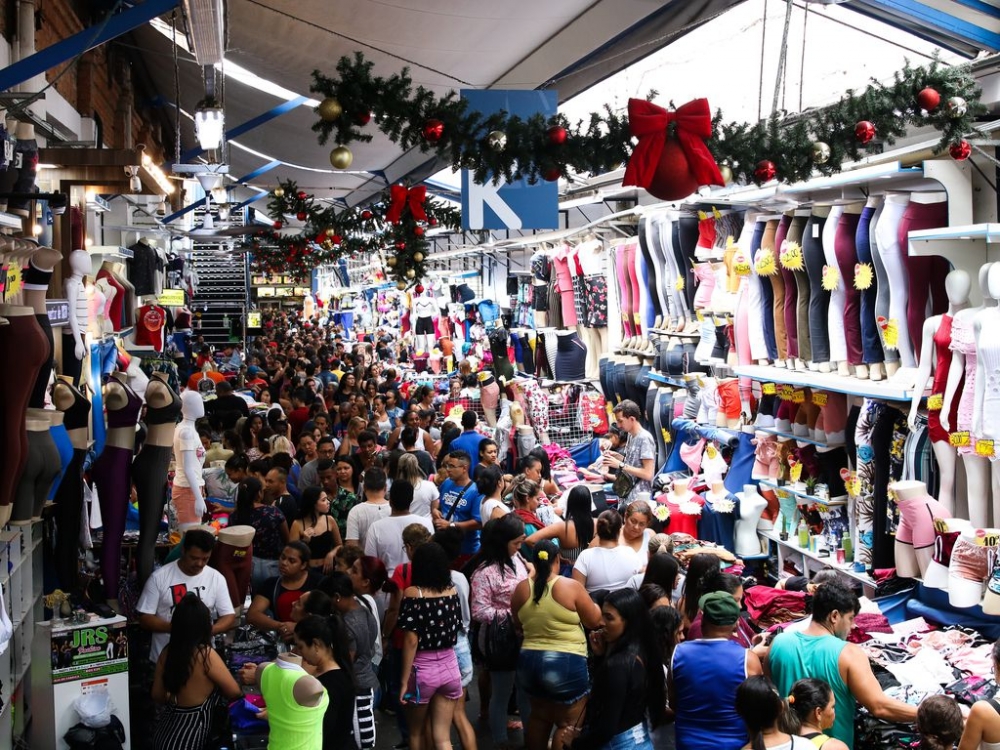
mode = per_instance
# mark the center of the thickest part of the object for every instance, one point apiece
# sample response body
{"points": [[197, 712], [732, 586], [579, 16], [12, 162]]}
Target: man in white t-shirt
{"points": [[385, 537], [189, 574], [361, 517]]}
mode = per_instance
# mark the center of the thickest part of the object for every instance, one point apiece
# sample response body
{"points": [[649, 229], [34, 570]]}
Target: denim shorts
{"points": [[553, 675], [463, 652], [633, 738]]}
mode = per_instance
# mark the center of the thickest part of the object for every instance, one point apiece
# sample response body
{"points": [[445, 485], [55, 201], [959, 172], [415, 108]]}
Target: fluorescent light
{"points": [[205, 29], [209, 125], [96, 203]]}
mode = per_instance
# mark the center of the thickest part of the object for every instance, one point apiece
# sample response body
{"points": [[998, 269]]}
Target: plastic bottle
{"points": [[803, 534], [848, 548]]}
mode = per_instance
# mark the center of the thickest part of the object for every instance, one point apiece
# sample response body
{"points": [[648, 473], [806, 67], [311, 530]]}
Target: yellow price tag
{"points": [[984, 448], [742, 267], [940, 526], [830, 278], [987, 537], [13, 280], [702, 216], [449, 363], [864, 276], [786, 392], [795, 472], [679, 284], [791, 257], [699, 315], [935, 401], [820, 399], [766, 264], [768, 389], [960, 439], [666, 435], [890, 333], [798, 397], [711, 452], [637, 318]]}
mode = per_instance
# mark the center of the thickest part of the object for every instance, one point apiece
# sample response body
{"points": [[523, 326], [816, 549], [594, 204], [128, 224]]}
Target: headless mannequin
{"points": [[308, 691], [977, 468], [39, 471], [963, 591], [69, 495], [985, 423], [232, 556], [80, 264], [685, 507], [109, 324], [41, 264], [189, 501], [936, 574], [424, 308], [915, 540], [957, 286], [150, 473], [752, 506]]}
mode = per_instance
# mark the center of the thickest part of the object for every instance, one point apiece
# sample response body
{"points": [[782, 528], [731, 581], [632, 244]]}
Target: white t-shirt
{"points": [[489, 506], [423, 495], [186, 438], [461, 584], [169, 584], [361, 517], [385, 538], [606, 568]]}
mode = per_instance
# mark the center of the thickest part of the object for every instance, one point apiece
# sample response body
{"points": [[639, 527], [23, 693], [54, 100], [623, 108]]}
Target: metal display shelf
{"points": [[885, 390]]}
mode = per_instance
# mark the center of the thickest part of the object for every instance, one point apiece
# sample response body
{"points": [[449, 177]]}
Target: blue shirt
{"points": [[467, 509], [469, 442], [706, 675]]}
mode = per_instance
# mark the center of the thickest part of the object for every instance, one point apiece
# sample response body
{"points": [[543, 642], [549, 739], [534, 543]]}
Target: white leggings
{"points": [[838, 297], [897, 288]]}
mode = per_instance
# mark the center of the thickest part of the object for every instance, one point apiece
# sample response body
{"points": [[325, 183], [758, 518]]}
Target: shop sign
{"points": [[89, 652], [254, 319], [58, 312], [171, 298], [515, 205]]}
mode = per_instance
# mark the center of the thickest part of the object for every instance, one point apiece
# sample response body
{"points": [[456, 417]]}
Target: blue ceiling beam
{"points": [[72, 47], [278, 111], [934, 21]]}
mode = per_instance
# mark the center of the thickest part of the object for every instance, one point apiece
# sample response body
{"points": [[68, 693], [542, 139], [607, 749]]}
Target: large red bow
{"points": [[400, 197], [648, 122]]}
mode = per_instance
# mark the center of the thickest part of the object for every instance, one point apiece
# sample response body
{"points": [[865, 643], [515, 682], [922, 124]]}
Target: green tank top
{"points": [[549, 626], [293, 727], [795, 656]]}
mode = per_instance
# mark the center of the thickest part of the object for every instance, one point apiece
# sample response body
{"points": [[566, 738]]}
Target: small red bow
{"points": [[648, 122], [400, 197]]}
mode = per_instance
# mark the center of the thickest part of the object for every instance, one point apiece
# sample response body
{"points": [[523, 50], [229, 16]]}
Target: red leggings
{"points": [[235, 564], [926, 274]]}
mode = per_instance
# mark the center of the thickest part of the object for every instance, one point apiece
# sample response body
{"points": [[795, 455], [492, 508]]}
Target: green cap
{"points": [[719, 608]]}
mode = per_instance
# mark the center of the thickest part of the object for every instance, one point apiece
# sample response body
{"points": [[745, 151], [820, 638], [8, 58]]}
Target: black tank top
{"points": [[77, 416], [164, 414]]}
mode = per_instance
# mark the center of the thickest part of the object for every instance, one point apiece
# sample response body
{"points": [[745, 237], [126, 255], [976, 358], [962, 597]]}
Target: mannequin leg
{"points": [[112, 473], [40, 470], [926, 273], [947, 459], [847, 259], [65, 450], [235, 564], [150, 475], [489, 396], [977, 482], [625, 290], [37, 399], [69, 501], [995, 465]]}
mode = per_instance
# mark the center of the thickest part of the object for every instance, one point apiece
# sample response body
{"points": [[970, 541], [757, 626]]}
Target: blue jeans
{"points": [[633, 738], [501, 683]]}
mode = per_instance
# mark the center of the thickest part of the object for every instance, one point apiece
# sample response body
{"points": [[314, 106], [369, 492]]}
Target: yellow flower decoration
{"points": [[766, 265], [863, 276], [543, 555], [831, 278], [791, 257]]}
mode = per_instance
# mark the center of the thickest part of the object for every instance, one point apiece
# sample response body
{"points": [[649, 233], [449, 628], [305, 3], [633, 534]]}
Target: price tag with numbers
{"points": [[960, 439], [768, 389], [798, 397], [984, 448], [786, 392], [819, 399], [935, 401], [795, 472], [987, 537]]}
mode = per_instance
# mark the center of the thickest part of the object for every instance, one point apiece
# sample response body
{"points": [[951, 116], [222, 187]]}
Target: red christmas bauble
{"points": [[277, 225], [552, 174], [432, 222], [928, 99], [557, 135], [433, 131], [864, 131], [363, 118], [400, 245], [301, 216], [419, 288], [765, 171], [302, 195], [960, 151], [419, 231], [336, 239], [366, 215], [672, 178]]}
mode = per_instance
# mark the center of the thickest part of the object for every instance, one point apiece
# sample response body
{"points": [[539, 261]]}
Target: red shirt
{"points": [[296, 419], [149, 322]]}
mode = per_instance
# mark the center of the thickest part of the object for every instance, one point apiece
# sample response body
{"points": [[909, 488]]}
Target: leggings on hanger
{"points": [[893, 296], [632, 280], [40, 470], [674, 269], [819, 298], [881, 304], [758, 345], [625, 289], [22, 341], [149, 472], [772, 241], [767, 295], [112, 474], [652, 229], [796, 234], [791, 291], [927, 275], [69, 505], [871, 344], [652, 268], [685, 243], [847, 259], [647, 306], [835, 315]]}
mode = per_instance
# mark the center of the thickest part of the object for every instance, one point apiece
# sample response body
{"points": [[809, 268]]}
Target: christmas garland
{"points": [[788, 148], [397, 227]]}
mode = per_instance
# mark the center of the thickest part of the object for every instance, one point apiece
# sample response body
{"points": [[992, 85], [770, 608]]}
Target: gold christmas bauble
{"points": [[330, 109], [391, 262], [401, 285], [418, 257], [330, 231], [341, 157], [727, 174], [410, 273], [279, 192]]}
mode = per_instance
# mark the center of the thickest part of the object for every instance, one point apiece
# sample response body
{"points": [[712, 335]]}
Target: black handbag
{"points": [[499, 643], [623, 484]]}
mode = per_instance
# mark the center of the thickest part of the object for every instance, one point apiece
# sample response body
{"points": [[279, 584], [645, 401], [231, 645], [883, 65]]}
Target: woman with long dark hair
{"points": [[501, 568], [188, 679], [552, 664], [271, 529], [316, 527], [762, 709], [346, 388], [323, 644], [628, 698], [250, 434], [430, 617], [699, 566], [661, 570], [606, 565], [575, 531], [489, 483]]}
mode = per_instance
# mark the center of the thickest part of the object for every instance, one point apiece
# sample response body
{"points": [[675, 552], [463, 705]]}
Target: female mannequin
{"points": [[846, 254], [890, 356], [762, 250], [835, 313], [685, 508], [946, 532], [871, 344], [752, 506], [112, 305], [25, 349], [69, 494], [753, 231], [969, 566], [232, 556], [986, 407], [935, 357], [927, 210], [963, 364], [112, 473], [424, 308], [781, 290], [489, 397], [74, 346], [150, 467], [892, 298], [189, 455], [36, 284], [796, 235], [40, 469], [717, 518], [915, 534]]}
